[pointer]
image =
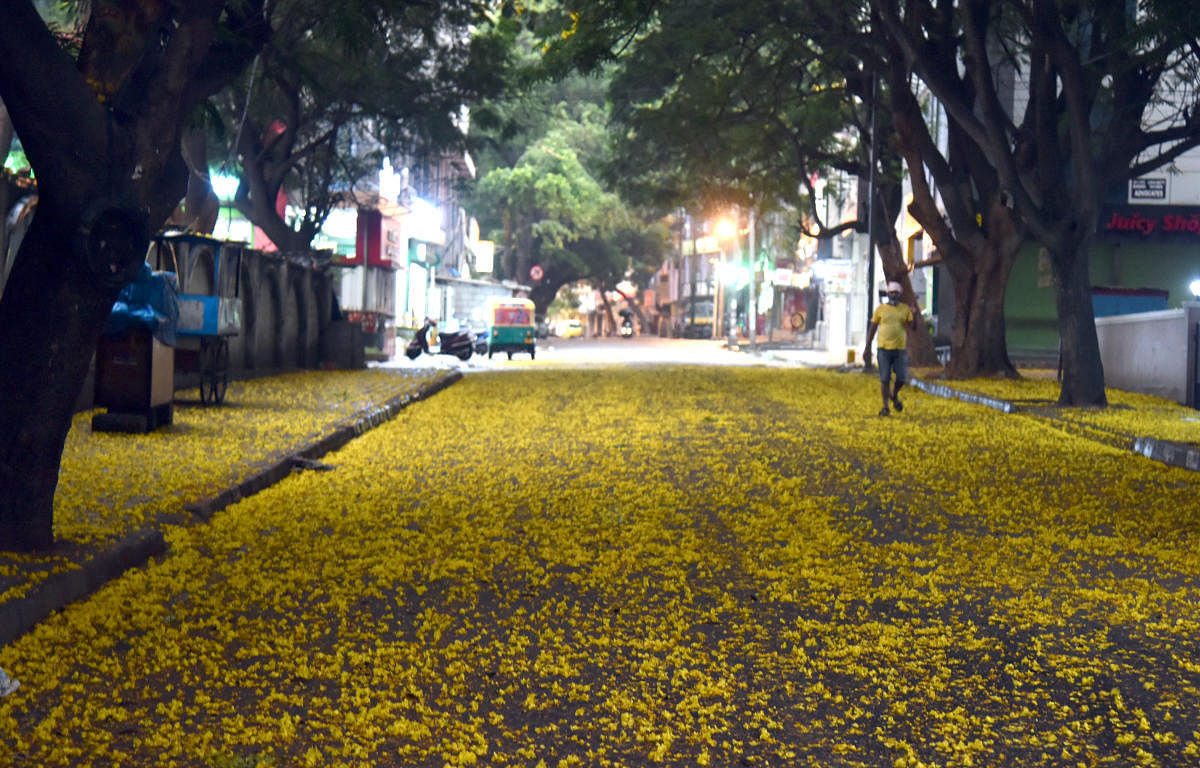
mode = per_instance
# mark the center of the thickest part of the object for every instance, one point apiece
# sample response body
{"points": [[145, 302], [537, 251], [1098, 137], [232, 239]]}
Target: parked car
{"points": [[571, 329], [542, 327]]}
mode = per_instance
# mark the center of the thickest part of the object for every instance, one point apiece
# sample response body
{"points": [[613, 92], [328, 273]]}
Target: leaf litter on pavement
{"points": [[682, 566]]}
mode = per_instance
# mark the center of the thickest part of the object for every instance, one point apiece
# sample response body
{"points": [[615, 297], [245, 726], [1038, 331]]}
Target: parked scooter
{"points": [[627, 328], [460, 344]]}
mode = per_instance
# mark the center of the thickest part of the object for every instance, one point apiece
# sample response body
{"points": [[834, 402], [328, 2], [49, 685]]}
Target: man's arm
{"points": [[872, 326]]}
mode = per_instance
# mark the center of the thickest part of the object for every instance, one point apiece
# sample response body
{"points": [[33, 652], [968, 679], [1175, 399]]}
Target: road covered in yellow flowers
{"points": [[643, 566]]}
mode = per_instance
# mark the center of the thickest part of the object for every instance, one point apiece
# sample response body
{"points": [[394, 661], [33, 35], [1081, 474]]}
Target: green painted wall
{"points": [[1030, 316]]}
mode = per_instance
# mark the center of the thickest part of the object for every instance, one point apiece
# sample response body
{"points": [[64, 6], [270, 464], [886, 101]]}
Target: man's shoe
{"points": [[883, 412], [899, 406]]}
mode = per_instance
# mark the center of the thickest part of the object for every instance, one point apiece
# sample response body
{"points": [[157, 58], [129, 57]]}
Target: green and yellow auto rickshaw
{"points": [[511, 327]]}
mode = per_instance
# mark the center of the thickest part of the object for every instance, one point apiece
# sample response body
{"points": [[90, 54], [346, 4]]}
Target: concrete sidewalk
{"points": [[1157, 447], [791, 352], [327, 409]]}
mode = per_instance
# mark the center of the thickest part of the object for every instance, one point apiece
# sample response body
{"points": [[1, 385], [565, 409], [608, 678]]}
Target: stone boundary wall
{"points": [[287, 320], [1152, 352]]}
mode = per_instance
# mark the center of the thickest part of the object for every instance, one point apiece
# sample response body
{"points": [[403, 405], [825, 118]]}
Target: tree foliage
{"points": [[541, 192], [1111, 93], [102, 132], [338, 87], [721, 103]]}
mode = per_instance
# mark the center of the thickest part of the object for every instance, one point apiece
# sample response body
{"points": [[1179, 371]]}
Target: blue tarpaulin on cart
{"points": [[150, 302]]}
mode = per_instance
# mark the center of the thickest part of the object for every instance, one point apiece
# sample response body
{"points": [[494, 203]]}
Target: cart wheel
{"points": [[214, 370], [206, 355], [532, 354], [220, 373], [510, 355]]}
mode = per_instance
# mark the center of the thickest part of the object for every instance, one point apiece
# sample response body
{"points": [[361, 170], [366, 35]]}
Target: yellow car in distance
{"points": [[572, 329]]}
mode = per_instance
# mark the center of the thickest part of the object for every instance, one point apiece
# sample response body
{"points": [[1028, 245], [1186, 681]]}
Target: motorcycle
{"points": [[627, 328], [460, 344]]}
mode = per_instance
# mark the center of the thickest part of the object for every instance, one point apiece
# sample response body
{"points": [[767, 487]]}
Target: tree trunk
{"points": [[6, 200], [608, 311], [509, 252], [978, 342], [1079, 347], [200, 208], [6, 134], [524, 253], [981, 261], [108, 169], [6, 137], [44, 358]]}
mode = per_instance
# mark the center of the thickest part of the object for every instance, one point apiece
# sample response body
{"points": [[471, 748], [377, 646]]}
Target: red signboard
{"points": [[379, 239], [1151, 220]]}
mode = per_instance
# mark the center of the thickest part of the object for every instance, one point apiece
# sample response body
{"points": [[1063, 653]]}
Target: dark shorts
{"points": [[893, 360]]}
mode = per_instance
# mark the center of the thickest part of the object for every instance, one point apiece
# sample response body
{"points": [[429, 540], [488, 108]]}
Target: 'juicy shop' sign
{"points": [[1148, 221]]}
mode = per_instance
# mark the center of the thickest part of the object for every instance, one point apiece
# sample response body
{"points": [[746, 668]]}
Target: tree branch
{"points": [[58, 134]]}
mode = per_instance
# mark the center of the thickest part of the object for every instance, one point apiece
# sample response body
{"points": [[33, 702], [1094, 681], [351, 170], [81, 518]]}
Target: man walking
{"points": [[890, 319]]}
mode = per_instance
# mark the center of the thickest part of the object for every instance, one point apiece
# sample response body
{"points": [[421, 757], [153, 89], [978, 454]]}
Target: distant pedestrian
{"points": [[7, 684], [891, 319]]}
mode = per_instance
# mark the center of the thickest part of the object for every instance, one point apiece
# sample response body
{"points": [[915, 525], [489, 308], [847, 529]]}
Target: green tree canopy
{"points": [[542, 195], [338, 87], [1110, 95]]}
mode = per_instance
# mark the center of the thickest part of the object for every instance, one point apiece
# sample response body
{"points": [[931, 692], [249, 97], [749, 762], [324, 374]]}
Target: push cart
{"points": [[210, 306]]}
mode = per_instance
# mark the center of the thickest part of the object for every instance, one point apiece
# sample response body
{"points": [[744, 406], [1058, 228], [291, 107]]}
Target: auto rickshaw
{"points": [[511, 327]]}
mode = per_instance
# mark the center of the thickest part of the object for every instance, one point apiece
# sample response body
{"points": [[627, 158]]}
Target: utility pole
{"points": [[691, 267], [752, 310], [871, 228]]}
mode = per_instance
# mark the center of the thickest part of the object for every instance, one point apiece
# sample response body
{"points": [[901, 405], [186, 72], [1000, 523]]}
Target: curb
{"points": [[22, 614], [204, 509], [1180, 455], [941, 390]]}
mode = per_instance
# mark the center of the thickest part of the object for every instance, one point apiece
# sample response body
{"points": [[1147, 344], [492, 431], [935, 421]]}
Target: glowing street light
{"points": [[727, 232], [726, 229]]}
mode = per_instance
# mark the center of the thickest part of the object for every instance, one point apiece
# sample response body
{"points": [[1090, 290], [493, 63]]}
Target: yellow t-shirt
{"points": [[891, 319]]}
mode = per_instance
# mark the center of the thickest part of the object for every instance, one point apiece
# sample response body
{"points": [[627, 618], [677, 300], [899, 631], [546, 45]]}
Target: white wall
{"points": [[1151, 352]]}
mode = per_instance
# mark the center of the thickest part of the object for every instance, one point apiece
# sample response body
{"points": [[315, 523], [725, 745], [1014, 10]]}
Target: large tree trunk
{"points": [[978, 342], [104, 146], [200, 208], [980, 260], [257, 196], [6, 200], [51, 313], [524, 259], [6, 137], [1079, 347]]}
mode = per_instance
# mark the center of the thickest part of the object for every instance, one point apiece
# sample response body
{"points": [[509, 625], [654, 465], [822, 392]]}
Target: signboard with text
{"points": [[1147, 189], [1151, 221]]}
